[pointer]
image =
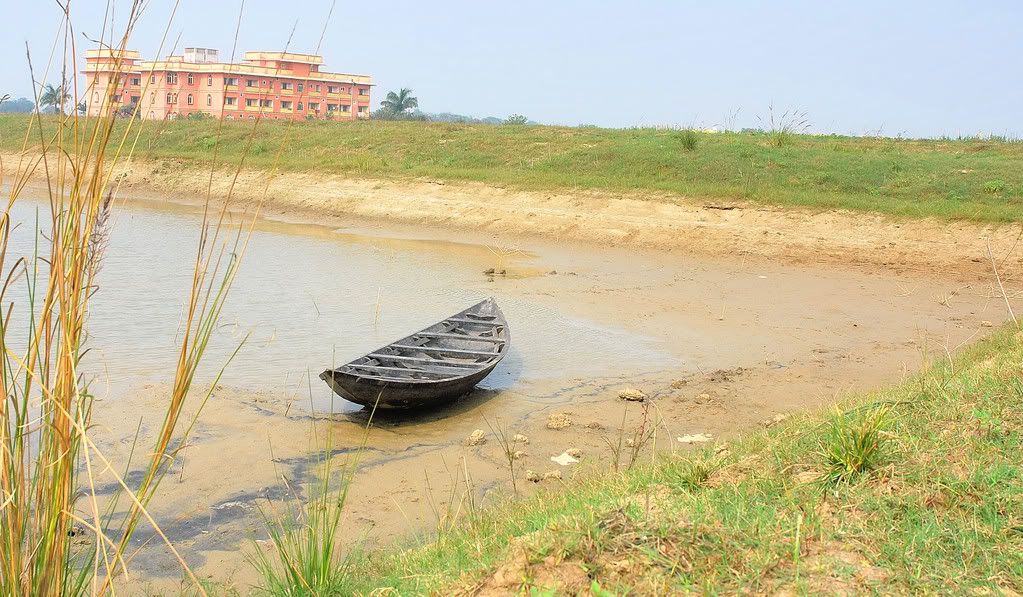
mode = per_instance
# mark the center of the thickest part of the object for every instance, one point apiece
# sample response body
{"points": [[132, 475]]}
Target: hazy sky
{"points": [[918, 68]]}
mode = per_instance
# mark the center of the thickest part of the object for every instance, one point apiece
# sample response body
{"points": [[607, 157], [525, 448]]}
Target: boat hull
{"points": [[438, 364], [375, 393]]}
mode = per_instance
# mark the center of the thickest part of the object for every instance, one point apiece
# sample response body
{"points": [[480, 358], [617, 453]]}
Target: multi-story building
{"points": [[273, 85]]}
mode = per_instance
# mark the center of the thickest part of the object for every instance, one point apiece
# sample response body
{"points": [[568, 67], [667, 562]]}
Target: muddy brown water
{"points": [[742, 340]]}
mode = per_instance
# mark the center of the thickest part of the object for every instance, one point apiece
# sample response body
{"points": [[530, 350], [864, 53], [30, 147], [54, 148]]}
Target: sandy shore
{"points": [[666, 222]]}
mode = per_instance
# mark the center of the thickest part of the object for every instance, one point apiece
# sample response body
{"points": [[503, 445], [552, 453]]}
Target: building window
{"points": [[189, 99], [332, 107], [250, 82], [333, 89], [314, 106], [170, 99], [230, 81], [152, 98], [346, 108], [190, 80], [209, 100], [364, 91], [317, 88], [209, 80], [300, 87], [285, 105], [251, 102], [267, 103], [362, 109], [172, 78], [300, 106], [136, 81], [152, 78], [286, 86], [230, 101], [95, 97]]}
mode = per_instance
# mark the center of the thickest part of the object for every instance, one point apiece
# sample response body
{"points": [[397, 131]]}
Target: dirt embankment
{"points": [[665, 222]]}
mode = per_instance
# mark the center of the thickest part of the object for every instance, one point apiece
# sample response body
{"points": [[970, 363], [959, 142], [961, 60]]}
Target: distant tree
{"points": [[399, 104], [516, 119], [20, 105], [54, 97], [126, 110], [82, 108]]}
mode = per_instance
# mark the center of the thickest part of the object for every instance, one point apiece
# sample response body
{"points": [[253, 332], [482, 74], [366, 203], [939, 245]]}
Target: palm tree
{"points": [[54, 97], [400, 103]]}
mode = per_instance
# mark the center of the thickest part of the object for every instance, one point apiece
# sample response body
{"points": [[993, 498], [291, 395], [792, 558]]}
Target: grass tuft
{"points": [[687, 139], [853, 445]]}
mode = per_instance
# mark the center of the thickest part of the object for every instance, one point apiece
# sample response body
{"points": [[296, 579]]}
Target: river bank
{"points": [[719, 345], [683, 225], [722, 336]]}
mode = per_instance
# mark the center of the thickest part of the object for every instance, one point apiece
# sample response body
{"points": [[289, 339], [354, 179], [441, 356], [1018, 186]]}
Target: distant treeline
{"points": [[20, 105]]}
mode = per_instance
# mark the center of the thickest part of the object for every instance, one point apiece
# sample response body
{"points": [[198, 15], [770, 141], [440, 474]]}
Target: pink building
{"points": [[273, 85]]}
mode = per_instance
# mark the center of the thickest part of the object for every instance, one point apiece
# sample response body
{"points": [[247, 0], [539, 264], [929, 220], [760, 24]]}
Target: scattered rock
{"points": [[520, 439], [695, 438], [500, 272], [678, 384], [630, 443], [574, 452], [703, 398], [553, 272], [986, 324], [518, 455], [632, 395], [564, 459], [476, 438], [594, 425], [532, 476], [778, 418], [489, 271], [555, 474], [559, 421]]}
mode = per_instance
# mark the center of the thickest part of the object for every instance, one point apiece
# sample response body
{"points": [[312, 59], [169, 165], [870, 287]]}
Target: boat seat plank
{"points": [[459, 337], [433, 370], [405, 359], [440, 350], [470, 320]]}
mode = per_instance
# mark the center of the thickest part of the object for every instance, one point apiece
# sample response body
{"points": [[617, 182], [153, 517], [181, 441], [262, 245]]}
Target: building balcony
{"points": [[230, 88], [230, 106]]}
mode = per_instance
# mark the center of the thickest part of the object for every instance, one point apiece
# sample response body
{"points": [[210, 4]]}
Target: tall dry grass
{"points": [[56, 535]]}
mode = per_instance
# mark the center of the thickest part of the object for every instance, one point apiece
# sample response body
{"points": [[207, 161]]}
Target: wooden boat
{"points": [[437, 364]]}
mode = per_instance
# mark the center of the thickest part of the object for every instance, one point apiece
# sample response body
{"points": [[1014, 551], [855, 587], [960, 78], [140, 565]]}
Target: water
{"points": [[308, 297]]}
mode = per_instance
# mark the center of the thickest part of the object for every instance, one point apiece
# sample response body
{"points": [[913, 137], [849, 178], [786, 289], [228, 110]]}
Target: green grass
{"points": [[977, 180], [914, 489]]}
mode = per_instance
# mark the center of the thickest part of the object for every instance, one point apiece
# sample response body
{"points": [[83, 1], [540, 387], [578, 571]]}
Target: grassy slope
{"points": [[939, 510], [974, 180]]}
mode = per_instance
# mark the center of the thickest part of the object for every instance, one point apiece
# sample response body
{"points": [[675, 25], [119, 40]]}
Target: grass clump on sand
{"points": [[913, 489], [972, 179]]}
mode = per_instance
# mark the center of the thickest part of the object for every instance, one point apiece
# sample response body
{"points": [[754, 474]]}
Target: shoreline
{"points": [[661, 222]]}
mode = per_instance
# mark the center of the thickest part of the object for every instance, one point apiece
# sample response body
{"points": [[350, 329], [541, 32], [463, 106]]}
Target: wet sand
{"points": [[719, 344]]}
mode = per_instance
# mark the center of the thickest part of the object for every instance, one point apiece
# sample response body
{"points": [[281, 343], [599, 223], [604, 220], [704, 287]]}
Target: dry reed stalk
{"points": [[47, 459]]}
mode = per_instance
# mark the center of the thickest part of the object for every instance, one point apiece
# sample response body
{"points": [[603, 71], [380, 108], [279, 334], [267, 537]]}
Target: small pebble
{"points": [[533, 476], [558, 421], [987, 324], [574, 453], [476, 438], [551, 475], [518, 455], [632, 395], [520, 439]]}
